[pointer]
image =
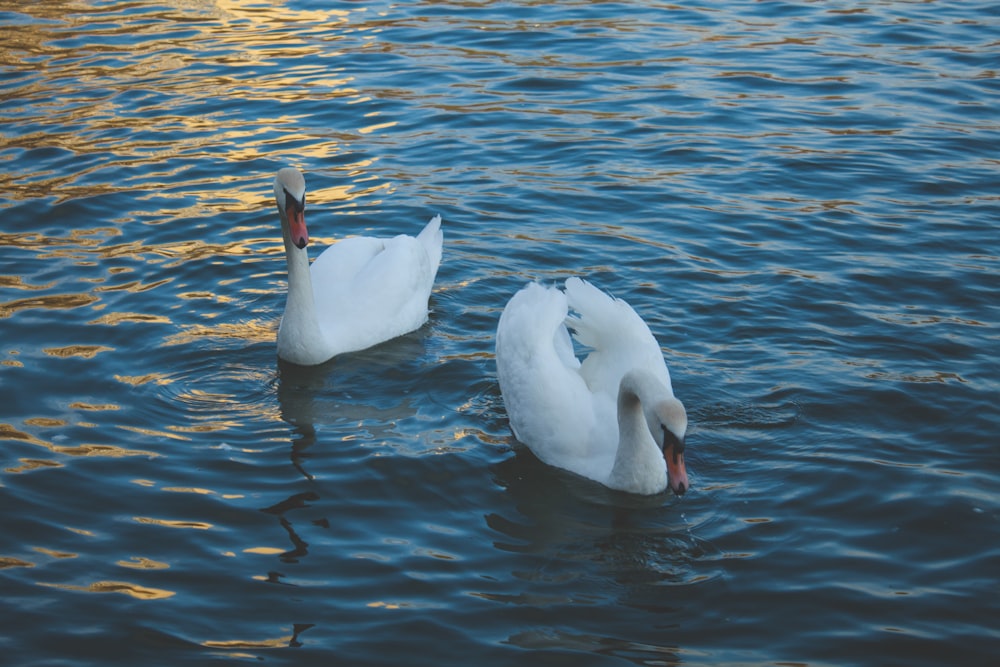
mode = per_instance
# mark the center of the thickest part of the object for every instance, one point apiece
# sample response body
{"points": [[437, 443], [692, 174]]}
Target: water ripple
{"points": [[800, 199]]}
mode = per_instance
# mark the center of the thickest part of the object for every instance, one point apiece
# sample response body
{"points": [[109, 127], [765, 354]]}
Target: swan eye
{"points": [[293, 204], [671, 440]]}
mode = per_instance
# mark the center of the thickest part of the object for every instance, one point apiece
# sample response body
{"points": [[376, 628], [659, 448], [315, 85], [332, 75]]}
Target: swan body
{"points": [[613, 417], [359, 292]]}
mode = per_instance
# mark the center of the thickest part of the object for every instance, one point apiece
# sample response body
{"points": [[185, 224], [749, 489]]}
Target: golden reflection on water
{"points": [[233, 645], [141, 563], [134, 115], [103, 407], [129, 109], [9, 432], [84, 351], [55, 554], [168, 523], [251, 331], [155, 433], [28, 465], [51, 302], [139, 380], [114, 319], [190, 489], [125, 588], [279, 642], [264, 551]]}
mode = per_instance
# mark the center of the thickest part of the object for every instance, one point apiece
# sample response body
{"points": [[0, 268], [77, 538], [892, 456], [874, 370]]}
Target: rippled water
{"points": [[802, 199]]}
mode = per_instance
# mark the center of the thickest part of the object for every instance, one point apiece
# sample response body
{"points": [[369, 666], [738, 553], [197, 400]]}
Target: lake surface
{"points": [[802, 199]]}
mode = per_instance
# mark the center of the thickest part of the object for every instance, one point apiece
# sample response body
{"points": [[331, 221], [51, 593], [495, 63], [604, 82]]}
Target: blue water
{"points": [[801, 199]]}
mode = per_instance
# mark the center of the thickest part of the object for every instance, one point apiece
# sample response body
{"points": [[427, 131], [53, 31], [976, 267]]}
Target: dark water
{"points": [[802, 199]]}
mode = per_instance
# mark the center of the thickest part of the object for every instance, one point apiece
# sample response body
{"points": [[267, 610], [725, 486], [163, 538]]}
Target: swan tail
{"points": [[618, 338], [432, 239], [535, 313], [600, 320]]}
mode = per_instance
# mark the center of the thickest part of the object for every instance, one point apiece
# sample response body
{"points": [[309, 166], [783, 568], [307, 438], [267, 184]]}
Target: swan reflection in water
{"points": [[335, 408], [566, 530]]}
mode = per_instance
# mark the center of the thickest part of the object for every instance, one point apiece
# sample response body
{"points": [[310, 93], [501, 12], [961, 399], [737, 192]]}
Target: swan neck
{"points": [[638, 463], [640, 387], [300, 323], [299, 279]]}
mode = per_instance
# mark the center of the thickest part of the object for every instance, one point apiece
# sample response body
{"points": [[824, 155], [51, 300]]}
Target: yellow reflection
{"points": [[132, 590], [16, 282], [77, 405], [85, 351], [32, 464], [168, 523], [264, 551], [281, 642], [199, 396], [379, 604], [8, 432], [52, 302], [44, 422], [340, 192], [7, 561], [55, 554], [134, 286], [114, 319], [376, 127], [140, 563], [211, 427], [153, 432], [108, 451], [252, 331], [137, 380], [189, 489]]}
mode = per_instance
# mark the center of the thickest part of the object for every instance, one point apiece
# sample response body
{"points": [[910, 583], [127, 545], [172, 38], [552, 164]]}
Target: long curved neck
{"points": [[638, 463], [300, 294], [299, 331]]}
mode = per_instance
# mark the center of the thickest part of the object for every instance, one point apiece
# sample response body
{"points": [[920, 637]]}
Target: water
{"points": [[802, 200]]}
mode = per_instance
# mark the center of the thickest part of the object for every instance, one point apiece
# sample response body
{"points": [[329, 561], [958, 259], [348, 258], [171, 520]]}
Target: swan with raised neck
{"points": [[358, 292]]}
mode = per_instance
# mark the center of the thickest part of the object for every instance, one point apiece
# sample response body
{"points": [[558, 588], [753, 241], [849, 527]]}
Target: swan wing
{"points": [[550, 407], [618, 338], [369, 290]]}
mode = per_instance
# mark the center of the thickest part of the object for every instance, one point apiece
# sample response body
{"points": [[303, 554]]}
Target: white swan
{"points": [[612, 418], [359, 292]]}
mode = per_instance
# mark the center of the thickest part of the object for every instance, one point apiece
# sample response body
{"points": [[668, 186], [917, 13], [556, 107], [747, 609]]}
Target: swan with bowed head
{"points": [[613, 417], [357, 293]]}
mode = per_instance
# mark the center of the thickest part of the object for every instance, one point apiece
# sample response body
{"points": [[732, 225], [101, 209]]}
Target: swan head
{"points": [[668, 423], [290, 196]]}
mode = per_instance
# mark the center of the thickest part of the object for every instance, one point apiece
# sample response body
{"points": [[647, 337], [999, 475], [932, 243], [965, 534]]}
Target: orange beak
{"points": [[677, 475], [297, 227]]}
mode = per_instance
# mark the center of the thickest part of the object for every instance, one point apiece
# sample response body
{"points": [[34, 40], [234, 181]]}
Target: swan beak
{"points": [[297, 227], [676, 471]]}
